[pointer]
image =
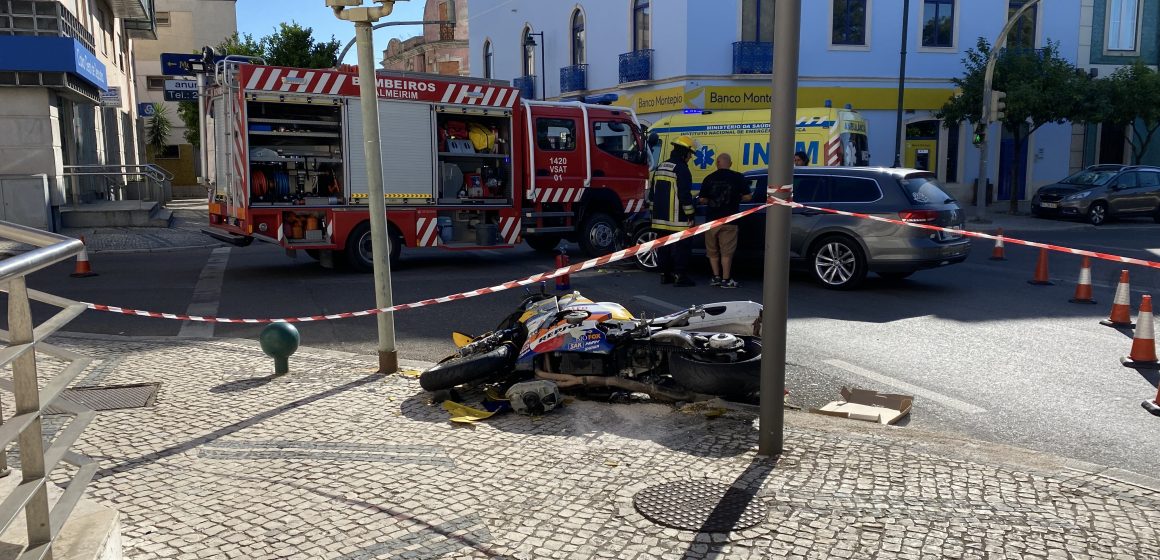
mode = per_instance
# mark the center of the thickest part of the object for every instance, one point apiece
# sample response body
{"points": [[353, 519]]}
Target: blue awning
{"points": [[51, 54]]}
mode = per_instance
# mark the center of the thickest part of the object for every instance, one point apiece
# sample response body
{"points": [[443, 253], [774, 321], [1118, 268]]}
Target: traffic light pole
{"points": [[986, 116]]}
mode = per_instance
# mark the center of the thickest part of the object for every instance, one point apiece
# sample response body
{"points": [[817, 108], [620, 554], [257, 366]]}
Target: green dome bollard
{"points": [[279, 341]]}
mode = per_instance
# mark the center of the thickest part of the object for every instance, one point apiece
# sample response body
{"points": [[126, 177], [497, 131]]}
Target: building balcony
{"points": [[574, 78], [752, 57], [132, 9], [636, 66], [526, 85], [43, 18]]}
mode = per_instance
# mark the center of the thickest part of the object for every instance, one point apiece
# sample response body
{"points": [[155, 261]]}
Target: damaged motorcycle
{"points": [[699, 353]]}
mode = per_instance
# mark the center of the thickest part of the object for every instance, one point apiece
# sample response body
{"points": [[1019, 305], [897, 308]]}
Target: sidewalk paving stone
{"points": [[334, 461]]}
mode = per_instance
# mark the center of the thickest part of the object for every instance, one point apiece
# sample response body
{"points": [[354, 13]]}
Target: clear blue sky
{"points": [[260, 17]]}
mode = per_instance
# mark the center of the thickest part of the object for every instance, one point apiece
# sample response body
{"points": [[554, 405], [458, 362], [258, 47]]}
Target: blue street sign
{"points": [[146, 110], [181, 64]]}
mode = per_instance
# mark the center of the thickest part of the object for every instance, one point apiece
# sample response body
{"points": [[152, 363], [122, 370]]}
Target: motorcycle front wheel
{"points": [[716, 375], [461, 370]]}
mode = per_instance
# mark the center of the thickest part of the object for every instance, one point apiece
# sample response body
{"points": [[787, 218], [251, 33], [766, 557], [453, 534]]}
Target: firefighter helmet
{"points": [[686, 142]]}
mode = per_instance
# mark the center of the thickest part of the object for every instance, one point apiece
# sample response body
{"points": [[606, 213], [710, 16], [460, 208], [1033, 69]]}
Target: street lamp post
{"points": [[775, 295], [901, 83], [530, 43], [351, 10], [985, 116]]}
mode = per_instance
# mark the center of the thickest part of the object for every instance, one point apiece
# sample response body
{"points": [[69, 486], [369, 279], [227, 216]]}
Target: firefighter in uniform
{"points": [[672, 210]]}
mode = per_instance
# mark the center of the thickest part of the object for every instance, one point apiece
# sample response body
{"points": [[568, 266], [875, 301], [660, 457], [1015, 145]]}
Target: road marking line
{"points": [[660, 303], [207, 295], [940, 398]]}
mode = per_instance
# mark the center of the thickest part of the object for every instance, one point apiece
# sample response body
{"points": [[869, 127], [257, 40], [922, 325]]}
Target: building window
{"points": [[640, 25], [757, 20], [488, 60], [850, 22], [155, 83], [446, 30], [527, 43], [579, 56], [938, 23], [1123, 17], [1023, 34], [163, 20], [103, 23]]}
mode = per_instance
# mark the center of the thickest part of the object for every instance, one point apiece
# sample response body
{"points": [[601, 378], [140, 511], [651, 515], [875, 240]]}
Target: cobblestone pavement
{"points": [[334, 461]]}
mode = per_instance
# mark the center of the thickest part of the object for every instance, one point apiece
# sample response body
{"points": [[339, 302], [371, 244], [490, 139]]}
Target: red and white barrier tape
{"points": [[591, 263], [618, 256]]}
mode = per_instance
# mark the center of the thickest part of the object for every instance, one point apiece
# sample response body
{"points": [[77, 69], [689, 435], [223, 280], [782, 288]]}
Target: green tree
{"points": [[289, 45], [1041, 86], [157, 131], [1131, 99]]}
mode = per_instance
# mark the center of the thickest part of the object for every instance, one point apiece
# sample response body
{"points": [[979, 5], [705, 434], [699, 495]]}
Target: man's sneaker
{"points": [[716, 281], [730, 283], [667, 278], [683, 281]]}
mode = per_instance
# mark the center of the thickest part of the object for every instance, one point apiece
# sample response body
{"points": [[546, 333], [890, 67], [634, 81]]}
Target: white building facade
{"points": [[665, 57]]}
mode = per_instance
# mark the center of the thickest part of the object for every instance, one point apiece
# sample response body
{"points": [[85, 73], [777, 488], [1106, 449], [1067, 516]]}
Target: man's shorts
{"points": [[721, 240]]}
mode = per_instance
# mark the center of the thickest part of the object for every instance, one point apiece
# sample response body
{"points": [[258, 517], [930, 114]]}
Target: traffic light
{"points": [[998, 105], [980, 134]]}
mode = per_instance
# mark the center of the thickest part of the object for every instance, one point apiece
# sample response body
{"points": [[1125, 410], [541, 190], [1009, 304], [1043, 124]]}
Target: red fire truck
{"points": [[467, 164]]}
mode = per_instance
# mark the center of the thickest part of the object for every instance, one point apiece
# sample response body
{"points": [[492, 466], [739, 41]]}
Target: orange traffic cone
{"points": [[1083, 290], [83, 269], [1041, 278], [1143, 354], [1121, 316], [998, 254], [1153, 406]]}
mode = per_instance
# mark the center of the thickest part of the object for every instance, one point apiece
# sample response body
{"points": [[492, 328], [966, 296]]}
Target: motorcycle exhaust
{"points": [[565, 381]]}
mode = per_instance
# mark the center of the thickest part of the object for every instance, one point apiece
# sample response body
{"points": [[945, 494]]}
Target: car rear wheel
{"points": [[1098, 214], [838, 263], [646, 260]]}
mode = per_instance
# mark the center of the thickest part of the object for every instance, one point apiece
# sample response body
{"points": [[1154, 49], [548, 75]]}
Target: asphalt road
{"points": [[985, 353]]}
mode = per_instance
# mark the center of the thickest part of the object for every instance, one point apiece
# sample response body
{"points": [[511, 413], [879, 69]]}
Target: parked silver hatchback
{"points": [[1102, 192], [839, 251]]}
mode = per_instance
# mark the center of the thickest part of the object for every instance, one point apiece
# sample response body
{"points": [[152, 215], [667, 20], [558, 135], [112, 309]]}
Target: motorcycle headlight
{"points": [[1079, 195]]}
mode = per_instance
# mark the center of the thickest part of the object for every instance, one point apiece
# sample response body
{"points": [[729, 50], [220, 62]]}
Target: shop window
{"points": [[641, 16], [557, 135], [849, 25]]}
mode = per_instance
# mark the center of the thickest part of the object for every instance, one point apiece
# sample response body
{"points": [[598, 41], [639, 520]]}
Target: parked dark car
{"points": [[1102, 192], [839, 251]]}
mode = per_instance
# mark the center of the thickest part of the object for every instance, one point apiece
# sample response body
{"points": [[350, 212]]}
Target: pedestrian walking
{"points": [[722, 193], [672, 210]]}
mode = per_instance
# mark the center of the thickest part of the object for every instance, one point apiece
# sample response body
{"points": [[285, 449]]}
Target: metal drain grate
{"points": [[110, 397], [700, 505]]}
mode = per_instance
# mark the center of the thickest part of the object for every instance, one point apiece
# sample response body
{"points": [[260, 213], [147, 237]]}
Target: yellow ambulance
{"points": [[829, 136]]}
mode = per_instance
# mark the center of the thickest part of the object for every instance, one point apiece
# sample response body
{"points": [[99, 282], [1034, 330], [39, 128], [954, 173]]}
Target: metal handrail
{"points": [[24, 340], [153, 173]]}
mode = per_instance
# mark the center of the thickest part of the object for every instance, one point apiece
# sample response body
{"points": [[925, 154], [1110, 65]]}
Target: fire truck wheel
{"points": [[598, 235], [358, 248], [543, 243]]}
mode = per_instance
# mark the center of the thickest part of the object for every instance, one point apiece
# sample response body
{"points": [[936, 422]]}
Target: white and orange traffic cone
{"points": [[1143, 354], [1153, 406], [1083, 290], [1121, 316], [1041, 276], [83, 269], [998, 254]]}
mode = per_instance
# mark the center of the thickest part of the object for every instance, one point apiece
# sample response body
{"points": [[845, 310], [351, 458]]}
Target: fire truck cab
{"points": [[467, 164]]}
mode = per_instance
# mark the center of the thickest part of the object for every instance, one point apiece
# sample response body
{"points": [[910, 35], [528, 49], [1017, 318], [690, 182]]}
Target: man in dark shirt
{"points": [[722, 193]]}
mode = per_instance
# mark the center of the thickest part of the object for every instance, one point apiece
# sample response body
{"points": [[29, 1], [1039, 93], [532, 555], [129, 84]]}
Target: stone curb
{"points": [[156, 249], [951, 446]]}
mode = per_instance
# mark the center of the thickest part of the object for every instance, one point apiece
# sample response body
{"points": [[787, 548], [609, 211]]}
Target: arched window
{"points": [[579, 56], [488, 60], [528, 44], [640, 25]]}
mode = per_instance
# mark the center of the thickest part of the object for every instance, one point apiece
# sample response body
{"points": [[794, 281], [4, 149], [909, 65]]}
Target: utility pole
{"points": [[902, 83], [775, 295], [985, 116], [350, 10]]}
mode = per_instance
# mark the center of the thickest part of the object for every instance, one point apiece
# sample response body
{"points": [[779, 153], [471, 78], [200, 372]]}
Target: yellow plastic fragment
{"points": [[464, 414], [411, 373]]}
